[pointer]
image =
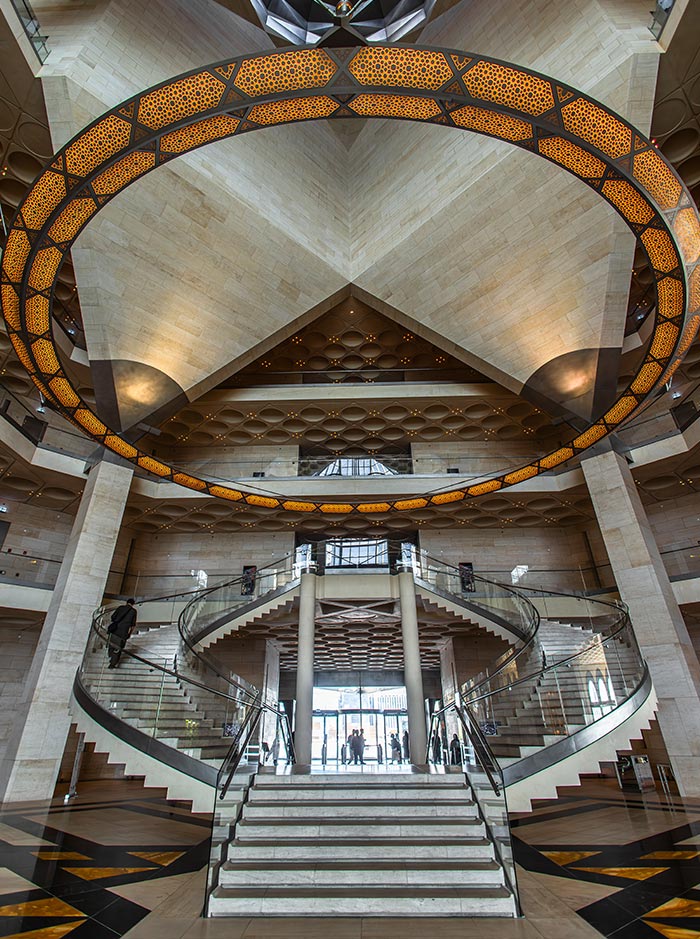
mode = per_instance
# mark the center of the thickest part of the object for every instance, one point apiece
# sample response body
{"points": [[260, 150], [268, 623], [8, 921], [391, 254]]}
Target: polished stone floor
{"points": [[122, 861]]}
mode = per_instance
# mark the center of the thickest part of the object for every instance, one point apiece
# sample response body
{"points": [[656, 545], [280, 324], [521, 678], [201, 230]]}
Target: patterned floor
{"points": [[629, 863], [120, 862], [81, 871]]}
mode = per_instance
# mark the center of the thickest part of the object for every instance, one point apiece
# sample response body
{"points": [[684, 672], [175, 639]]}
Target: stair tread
{"points": [[333, 890], [342, 864]]}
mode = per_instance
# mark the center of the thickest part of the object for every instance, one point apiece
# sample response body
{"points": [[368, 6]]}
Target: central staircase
{"points": [[405, 844]]}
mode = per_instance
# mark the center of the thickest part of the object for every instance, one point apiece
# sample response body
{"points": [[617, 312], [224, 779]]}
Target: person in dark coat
{"points": [[120, 628], [455, 750], [395, 749], [406, 748]]}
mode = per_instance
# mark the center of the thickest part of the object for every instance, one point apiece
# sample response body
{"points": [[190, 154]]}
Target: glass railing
{"points": [[456, 735], [31, 28], [659, 17], [151, 692], [472, 590], [222, 600]]}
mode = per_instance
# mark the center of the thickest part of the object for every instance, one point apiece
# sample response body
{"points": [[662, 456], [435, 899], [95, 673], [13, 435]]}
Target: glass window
{"points": [[353, 552], [356, 466]]}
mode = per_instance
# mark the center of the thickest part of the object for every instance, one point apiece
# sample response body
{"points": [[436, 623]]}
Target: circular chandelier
{"points": [[434, 86]]}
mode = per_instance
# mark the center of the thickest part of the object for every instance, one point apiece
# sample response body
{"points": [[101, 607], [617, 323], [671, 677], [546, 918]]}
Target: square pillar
{"points": [[33, 758], [658, 624]]}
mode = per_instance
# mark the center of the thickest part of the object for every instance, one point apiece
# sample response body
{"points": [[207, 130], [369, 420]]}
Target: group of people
{"points": [[397, 746], [355, 750]]}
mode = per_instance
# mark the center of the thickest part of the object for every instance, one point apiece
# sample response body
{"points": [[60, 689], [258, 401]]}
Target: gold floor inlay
{"points": [[60, 856], [47, 932], [49, 907], [159, 857], [98, 873], [670, 855], [628, 873], [675, 932], [676, 907], [568, 857]]}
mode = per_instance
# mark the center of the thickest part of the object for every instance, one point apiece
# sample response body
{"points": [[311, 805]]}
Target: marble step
{"points": [[313, 851], [361, 901], [347, 872], [358, 807], [443, 794], [356, 780], [369, 829]]}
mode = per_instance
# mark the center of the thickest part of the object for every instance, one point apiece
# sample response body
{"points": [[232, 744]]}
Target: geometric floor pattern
{"points": [[648, 879], [56, 882]]}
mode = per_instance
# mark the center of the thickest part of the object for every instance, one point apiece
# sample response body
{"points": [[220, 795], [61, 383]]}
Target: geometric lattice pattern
{"points": [[653, 201]]}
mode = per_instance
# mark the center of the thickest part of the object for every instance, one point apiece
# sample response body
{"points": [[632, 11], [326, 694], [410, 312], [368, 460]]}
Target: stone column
{"points": [[658, 624], [303, 715], [33, 758], [413, 676]]}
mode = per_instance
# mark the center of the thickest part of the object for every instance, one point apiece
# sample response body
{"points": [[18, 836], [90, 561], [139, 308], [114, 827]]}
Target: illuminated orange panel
{"points": [[664, 340], [44, 268], [657, 178], [646, 378], [373, 507], [64, 392], [517, 476], [686, 228], [481, 488], [589, 436], [406, 504], [153, 466], [334, 507], [22, 353], [602, 130], [192, 482], [409, 106], [630, 203], [574, 158], [670, 297], [294, 109], [10, 306], [556, 458], [621, 409], [211, 128], [509, 87], [285, 71], [225, 493], [16, 252], [444, 497], [37, 314], [662, 253], [264, 501], [90, 422], [43, 198], [123, 447], [123, 172], [72, 219], [180, 99], [489, 122], [45, 356], [393, 67], [292, 506], [97, 144]]}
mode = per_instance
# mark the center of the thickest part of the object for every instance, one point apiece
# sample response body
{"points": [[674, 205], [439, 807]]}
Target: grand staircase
{"points": [[408, 844]]}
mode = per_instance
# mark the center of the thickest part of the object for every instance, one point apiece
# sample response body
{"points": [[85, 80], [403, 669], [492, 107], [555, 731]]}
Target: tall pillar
{"points": [[658, 624], [413, 676], [33, 759], [303, 712]]}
